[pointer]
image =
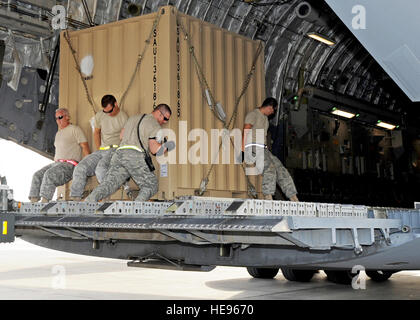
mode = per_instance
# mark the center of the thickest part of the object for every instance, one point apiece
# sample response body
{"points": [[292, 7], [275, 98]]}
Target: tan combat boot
{"points": [[43, 200], [34, 199], [268, 197], [294, 198]]}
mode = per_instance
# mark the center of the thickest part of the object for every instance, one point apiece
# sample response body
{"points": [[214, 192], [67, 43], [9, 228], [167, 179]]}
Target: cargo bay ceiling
{"points": [[345, 72]]}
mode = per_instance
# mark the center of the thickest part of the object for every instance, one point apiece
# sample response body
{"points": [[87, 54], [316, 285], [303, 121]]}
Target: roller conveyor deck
{"points": [[204, 232]]}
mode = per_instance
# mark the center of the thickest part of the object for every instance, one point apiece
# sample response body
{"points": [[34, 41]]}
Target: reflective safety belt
{"points": [[256, 145], [130, 147], [109, 147], [73, 162]]}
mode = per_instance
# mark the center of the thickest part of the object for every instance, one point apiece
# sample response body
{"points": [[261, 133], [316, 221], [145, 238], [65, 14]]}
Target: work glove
{"points": [[169, 145]]}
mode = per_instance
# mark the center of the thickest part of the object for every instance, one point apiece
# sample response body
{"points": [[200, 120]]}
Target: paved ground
{"points": [[31, 272]]}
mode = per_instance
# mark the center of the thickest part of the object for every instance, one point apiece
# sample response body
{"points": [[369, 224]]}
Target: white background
{"points": [[18, 164]]}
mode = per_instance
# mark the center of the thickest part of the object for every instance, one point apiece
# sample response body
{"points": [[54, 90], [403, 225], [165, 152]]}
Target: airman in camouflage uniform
{"points": [[108, 127], [70, 145], [273, 171], [130, 158]]}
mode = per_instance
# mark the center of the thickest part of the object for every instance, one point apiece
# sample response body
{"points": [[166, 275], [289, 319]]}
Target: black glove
{"points": [[241, 157]]}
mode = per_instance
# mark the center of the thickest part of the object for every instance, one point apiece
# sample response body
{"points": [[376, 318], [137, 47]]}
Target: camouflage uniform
{"points": [[103, 164], [126, 164], [45, 181], [96, 163], [67, 147], [273, 171]]}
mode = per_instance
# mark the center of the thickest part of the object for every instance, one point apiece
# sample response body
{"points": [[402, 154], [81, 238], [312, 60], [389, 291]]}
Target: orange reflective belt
{"points": [[75, 163]]}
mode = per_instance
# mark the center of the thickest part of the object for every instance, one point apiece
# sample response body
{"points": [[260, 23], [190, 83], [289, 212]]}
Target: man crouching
{"points": [[141, 136], [70, 146]]}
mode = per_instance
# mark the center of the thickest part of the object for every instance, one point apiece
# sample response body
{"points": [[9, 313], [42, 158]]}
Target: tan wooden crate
{"points": [[167, 75]]}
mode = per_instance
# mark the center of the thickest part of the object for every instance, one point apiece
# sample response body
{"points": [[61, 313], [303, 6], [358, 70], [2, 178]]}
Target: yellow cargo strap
{"points": [[4, 227], [130, 147], [109, 147]]}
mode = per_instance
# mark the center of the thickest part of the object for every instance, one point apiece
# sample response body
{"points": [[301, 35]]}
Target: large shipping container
{"points": [[168, 73]]}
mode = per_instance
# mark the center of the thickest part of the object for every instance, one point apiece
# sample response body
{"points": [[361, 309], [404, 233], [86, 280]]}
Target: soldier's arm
{"points": [[85, 148], [121, 133], [154, 146], [247, 126], [97, 138]]}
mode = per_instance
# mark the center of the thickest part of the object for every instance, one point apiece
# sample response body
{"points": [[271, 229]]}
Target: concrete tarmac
{"points": [[30, 272]]}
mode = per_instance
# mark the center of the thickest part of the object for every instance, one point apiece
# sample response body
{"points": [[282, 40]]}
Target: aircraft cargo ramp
{"points": [[197, 234]]}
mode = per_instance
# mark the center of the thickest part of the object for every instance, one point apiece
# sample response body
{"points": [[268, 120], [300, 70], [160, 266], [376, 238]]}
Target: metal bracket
{"points": [[293, 240], [207, 237], [82, 233], [282, 226], [385, 233], [357, 247], [61, 235], [156, 260], [183, 237], [333, 236]]}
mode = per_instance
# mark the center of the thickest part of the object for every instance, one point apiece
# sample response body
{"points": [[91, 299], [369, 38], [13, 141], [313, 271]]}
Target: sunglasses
{"points": [[113, 106], [59, 117], [164, 118]]}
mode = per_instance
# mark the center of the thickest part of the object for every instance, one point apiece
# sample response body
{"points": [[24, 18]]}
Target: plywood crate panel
{"points": [[168, 75]]}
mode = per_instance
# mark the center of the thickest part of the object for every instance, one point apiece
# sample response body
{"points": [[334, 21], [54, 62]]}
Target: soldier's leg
{"points": [[103, 164], [59, 174], [115, 177], [85, 168], [254, 160], [269, 175], [141, 174], [283, 177], [37, 181]]}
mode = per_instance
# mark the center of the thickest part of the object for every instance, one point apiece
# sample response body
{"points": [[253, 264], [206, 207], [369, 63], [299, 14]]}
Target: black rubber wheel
{"points": [[340, 276], [297, 275], [379, 275], [263, 273]]}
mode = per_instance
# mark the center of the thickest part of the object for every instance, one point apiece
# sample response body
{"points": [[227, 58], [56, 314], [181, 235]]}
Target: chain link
{"points": [[205, 86]]}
